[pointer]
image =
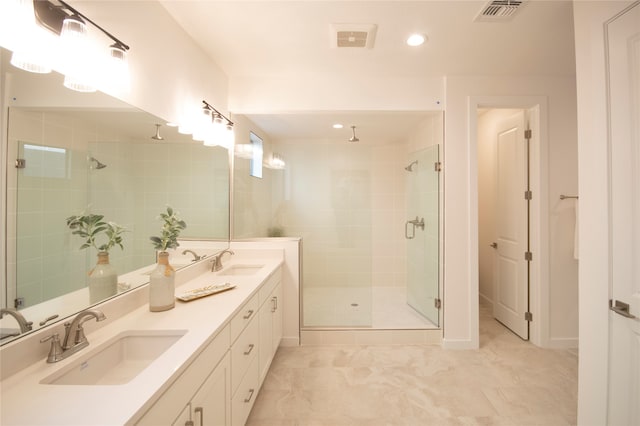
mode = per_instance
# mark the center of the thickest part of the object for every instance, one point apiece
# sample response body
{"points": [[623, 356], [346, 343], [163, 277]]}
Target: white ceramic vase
{"points": [[162, 285]]}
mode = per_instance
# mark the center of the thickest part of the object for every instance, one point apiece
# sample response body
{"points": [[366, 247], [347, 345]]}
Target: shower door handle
{"points": [[416, 223]]}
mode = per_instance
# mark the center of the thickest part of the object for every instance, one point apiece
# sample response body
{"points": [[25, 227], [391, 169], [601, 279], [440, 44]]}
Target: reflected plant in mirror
{"points": [[103, 278]]}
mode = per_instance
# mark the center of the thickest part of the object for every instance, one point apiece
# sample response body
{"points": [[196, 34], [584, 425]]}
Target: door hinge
{"points": [[438, 166], [528, 256], [21, 163], [528, 316], [18, 302], [438, 303], [528, 195], [527, 134]]}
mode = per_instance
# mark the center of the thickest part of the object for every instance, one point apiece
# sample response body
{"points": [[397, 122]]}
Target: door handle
{"points": [[494, 245], [620, 308]]}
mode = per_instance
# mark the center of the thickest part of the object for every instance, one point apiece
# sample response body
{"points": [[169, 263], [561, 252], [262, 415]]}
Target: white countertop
{"points": [[25, 401]]}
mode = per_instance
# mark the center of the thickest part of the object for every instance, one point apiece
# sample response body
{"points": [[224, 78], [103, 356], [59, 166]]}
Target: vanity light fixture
{"points": [[276, 162], [220, 128], [78, 59]]}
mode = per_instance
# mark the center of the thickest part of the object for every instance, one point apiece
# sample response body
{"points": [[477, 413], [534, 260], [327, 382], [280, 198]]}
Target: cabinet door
{"points": [[266, 339], [277, 326], [211, 405]]}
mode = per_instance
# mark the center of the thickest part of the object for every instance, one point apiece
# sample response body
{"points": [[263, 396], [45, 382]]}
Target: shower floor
{"points": [[376, 308]]}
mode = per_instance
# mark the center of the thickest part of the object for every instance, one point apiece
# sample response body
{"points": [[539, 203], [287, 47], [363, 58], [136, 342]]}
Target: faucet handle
{"points": [[55, 352]]}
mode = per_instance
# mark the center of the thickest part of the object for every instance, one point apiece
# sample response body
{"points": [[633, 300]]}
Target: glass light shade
{"points": [[77, 58], [30, 44]]}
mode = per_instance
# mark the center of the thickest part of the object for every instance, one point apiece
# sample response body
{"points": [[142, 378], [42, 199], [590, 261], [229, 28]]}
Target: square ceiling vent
{"points": [[499, 11], [353, 35]]}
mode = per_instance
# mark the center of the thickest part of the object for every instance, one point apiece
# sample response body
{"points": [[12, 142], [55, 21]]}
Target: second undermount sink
{"points": [[241, 270], [118, 360]]}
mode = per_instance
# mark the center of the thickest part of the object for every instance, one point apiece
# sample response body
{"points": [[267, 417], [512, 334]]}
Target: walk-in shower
{"points": [[362, 268]]}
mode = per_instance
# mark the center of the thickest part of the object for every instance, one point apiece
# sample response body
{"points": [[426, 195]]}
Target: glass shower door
{"points": [[422, 231]]}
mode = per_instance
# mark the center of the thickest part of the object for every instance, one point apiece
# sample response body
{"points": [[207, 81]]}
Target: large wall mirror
{"points": [[71, 153]]}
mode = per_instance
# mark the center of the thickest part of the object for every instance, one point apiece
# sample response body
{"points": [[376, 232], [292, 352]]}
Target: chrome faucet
{"points": [[216, 264], [74, 338], [22, 322], [195, 255]]}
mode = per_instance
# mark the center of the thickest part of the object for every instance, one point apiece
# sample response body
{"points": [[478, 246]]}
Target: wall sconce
{"points": [[81, 63], [214, 128]]}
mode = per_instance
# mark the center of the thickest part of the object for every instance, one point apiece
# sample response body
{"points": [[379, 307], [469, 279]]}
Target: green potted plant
{"points": [[162, 279], [102, 236]]}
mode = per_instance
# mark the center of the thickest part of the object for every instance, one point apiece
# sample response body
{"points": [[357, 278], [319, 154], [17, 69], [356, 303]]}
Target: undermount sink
{"points": [[241, 270], [118, 360]]}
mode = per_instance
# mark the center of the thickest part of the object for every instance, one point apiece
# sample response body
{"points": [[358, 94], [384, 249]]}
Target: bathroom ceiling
{"points": [[261, 43]]}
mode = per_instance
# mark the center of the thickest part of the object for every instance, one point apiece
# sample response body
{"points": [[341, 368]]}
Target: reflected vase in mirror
{"points": [[162, 285], [103, 279]]}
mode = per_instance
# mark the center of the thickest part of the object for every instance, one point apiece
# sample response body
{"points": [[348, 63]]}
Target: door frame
{"points": [[539, 220]]}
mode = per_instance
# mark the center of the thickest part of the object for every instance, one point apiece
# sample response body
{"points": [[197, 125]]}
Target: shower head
{"points": [[354, 138], [98, 165], [409, 168], [157, 136]]}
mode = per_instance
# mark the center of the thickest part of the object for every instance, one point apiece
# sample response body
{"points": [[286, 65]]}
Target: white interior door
{"points": [[511, 293], [623, 50]]}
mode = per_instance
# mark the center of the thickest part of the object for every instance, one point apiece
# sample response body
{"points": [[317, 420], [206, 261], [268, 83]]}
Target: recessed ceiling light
{"points": [[416, 39], [338, 126]]}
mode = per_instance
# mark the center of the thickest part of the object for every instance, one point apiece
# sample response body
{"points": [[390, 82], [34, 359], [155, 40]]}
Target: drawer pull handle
{"points": [[248, 351], [274, 303], [201, 411], [250, 395], [249, 313]]}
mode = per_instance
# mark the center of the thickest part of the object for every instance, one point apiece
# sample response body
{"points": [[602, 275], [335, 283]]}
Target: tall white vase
{"points": [[162, 285]]}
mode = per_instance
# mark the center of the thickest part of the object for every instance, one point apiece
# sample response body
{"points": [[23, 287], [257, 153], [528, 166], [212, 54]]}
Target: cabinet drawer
{"points": [[245, 396], [269, 285], [243, 351], [242, 318]]}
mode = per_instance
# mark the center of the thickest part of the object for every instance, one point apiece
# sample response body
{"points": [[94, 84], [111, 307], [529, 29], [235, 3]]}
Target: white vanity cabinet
{"points": [[222, 383]]}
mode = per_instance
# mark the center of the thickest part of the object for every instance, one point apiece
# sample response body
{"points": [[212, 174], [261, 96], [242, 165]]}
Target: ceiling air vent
{"points": [[353, 35], [499, 10]]}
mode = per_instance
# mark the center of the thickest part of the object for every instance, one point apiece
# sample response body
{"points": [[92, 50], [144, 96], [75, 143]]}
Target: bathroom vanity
{"points": [[203, 361]]}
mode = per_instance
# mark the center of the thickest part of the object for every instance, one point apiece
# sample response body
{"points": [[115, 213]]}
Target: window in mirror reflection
{"points": [[256, 155], [45, 161]]}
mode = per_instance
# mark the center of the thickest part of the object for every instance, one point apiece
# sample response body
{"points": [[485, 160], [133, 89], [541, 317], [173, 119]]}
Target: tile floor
{"points": [[506, 382]]}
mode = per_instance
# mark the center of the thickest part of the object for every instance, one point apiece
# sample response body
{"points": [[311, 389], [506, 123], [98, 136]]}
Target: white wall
{"points": [[592, 153], [461, 226]]}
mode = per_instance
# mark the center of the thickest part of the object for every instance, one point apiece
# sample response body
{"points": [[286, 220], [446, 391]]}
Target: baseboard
{"points": [[371, 337], [562, 343], [290, 341], [458, 344]]}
